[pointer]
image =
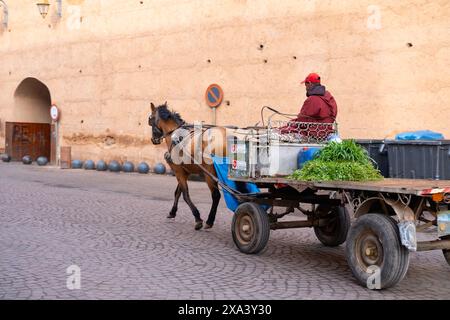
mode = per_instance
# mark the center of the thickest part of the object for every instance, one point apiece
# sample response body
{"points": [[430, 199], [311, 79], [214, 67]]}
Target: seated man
{"points": [[320, 107]]}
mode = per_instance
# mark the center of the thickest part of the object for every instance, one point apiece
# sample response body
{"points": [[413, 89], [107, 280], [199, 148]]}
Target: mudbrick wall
{"points": [[386, 63]]}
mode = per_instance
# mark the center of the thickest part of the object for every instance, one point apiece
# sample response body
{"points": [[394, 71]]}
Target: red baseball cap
{"points": [[313, 78]]}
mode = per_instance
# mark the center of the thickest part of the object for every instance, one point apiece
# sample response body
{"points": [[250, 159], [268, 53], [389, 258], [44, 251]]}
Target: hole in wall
{"points": [[409, 44], [109, 140]]}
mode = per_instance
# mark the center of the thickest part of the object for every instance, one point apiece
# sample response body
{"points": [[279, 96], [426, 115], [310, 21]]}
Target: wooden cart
{"points": [[387, 215]]}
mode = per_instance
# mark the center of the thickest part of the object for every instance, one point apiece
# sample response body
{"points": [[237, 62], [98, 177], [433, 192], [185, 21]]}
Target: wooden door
{"points": [[31, 139]]}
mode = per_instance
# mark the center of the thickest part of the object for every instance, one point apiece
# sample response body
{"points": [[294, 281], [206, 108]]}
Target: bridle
{"points": [[161, 135]]}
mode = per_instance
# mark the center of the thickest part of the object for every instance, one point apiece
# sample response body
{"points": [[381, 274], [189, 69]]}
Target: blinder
{"points": [[157, 133]]}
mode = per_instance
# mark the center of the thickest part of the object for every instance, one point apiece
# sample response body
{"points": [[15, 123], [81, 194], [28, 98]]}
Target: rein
{"points": [[172, 131]]}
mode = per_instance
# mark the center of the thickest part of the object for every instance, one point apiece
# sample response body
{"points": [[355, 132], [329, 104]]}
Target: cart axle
{"points": [[298, 224], [433, 245]]}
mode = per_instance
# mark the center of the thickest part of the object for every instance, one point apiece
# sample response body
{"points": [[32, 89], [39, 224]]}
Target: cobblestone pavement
{"points": [[114, 227]]}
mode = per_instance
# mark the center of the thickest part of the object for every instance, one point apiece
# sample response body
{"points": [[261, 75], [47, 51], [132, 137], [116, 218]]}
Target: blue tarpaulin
{"points": [[419, 135], [221, 166]]}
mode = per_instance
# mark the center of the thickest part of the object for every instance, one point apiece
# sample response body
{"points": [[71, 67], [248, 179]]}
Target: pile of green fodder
{"points": [[339, 161]]}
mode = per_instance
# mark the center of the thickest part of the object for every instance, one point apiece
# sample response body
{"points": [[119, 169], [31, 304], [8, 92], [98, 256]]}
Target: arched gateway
{"points": [[28, 132]]}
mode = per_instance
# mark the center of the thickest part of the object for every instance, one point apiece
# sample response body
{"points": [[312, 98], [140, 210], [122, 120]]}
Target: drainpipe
{"points": [[5, 13]]}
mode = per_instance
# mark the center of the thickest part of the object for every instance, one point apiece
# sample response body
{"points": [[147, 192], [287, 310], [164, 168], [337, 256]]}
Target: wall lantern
{"points": [[44, 5], [5, 13]]}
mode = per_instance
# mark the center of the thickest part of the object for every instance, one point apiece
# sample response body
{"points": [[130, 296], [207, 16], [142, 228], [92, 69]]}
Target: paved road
{"points": [[113, 227]]}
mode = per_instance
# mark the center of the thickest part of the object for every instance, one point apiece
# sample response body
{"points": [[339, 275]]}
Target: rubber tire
{"points": [[339, 235], [446, 253], [395, 255], [260, 221]]}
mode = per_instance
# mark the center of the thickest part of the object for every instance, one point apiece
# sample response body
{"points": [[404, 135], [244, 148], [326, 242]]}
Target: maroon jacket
{"points": [[320, 107]]}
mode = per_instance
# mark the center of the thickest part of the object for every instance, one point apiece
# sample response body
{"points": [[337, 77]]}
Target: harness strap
{"points": [[232, 191]]}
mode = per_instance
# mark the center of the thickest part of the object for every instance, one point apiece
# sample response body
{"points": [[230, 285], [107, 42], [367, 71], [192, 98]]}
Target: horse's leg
{"points": [[215, 194], [173, 212], [182, 180]]}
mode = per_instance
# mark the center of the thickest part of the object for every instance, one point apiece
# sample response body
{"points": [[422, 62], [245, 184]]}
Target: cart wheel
{"points": [[250, 228], [335, 232], [446, 253], [374, 240]]}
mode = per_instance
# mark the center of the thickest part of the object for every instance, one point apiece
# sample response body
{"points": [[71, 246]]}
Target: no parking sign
{"points": [[214, 96]]}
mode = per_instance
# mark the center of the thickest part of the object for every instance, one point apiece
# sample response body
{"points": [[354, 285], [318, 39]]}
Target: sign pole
{"points": [[58, 152], [54, 114]]}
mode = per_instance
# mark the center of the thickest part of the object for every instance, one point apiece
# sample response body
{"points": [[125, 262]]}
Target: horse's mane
{"points": [[166, 114]]}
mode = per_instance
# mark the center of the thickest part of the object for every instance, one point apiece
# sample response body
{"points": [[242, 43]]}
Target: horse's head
{"points": [[162, 121], [157, 133]]}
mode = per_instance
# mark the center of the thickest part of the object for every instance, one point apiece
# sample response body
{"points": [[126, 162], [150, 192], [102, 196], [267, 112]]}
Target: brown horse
{"points": [[188, 149]]}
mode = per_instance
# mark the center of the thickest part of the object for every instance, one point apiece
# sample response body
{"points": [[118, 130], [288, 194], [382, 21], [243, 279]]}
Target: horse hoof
{"points": [[208, 226], [199, 225], [171, 216]]}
